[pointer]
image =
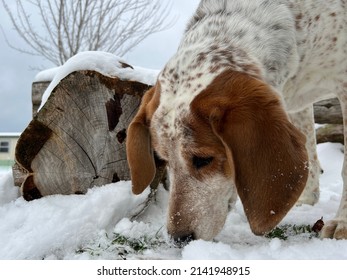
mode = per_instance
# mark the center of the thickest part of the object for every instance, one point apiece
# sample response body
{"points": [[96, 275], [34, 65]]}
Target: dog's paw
{"points": [[336, 228]]}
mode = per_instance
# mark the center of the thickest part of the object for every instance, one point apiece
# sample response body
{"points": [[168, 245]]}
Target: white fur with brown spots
{"points": [[219, 113]]}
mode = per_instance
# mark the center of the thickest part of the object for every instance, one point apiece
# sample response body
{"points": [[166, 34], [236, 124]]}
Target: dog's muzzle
{"points": [[182, 240]]}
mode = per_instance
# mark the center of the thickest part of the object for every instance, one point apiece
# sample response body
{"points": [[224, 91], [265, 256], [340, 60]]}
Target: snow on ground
{"points": [[98, 226]]}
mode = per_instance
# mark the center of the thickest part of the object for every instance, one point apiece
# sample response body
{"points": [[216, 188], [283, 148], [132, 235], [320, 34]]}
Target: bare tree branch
{"points": [[71, 26]]}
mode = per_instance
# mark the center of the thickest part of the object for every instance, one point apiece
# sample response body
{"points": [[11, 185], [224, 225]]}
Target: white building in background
{"points": [[8, 142]]}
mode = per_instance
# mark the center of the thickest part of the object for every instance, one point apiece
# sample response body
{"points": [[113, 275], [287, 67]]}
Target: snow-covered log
{"points": [[77, 138]]}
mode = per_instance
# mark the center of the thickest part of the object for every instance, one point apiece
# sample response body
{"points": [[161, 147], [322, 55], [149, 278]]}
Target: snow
{"points": [[87, 226], [46, 75], [10, 134], [105, 63]]}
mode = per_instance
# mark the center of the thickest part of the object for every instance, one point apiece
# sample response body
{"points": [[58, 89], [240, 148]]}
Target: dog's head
{"points": [[232, 136]]}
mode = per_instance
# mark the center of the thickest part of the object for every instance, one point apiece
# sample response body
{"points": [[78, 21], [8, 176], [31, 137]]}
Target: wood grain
{"points": [[77, 140]]}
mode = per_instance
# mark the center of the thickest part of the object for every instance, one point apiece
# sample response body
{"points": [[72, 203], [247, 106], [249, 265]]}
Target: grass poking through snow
{"points": [[284, 231]]}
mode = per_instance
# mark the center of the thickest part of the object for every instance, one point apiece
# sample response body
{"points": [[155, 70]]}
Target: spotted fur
{"points": [[222, 113]]}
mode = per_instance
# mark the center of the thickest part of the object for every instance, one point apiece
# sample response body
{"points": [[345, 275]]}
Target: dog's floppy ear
{"points": [[267, 151], [138, 144]]}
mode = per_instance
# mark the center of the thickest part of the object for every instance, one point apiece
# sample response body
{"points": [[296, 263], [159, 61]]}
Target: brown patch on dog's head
{"points": [[267, 151]]}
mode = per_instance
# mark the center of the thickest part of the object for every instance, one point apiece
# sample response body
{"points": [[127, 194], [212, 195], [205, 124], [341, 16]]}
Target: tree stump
{"points": [[77, 140]]}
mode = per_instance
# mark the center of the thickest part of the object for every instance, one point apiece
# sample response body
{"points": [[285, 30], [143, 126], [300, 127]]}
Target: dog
{"points": [[231, 114]]}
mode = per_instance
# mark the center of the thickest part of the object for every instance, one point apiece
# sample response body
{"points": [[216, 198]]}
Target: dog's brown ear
{"points": [[138, 145], [267, 151]]}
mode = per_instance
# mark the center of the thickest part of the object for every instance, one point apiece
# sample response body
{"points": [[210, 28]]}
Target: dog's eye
{"points": [[200, 162]]}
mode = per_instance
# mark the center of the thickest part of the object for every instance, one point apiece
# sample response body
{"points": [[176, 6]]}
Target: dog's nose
{"points": [[182, 240]]}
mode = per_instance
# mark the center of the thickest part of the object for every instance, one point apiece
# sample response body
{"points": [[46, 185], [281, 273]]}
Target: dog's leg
{"points": [[304, 120], [337, 228]]}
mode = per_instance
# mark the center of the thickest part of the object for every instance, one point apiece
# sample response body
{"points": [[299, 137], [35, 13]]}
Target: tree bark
{"points": [[77, 140]]}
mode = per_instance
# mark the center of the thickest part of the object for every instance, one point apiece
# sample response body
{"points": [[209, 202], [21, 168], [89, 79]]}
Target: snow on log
{"points": [[77, 139]]}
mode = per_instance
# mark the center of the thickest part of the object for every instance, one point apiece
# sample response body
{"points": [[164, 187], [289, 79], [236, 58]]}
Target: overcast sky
{"points": [[16, 73]]}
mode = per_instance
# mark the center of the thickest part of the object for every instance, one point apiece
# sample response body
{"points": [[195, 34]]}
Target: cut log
{"points": [[328, 111], [77, 140], [330, 133]]}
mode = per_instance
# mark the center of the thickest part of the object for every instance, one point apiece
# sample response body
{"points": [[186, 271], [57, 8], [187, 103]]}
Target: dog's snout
{"points": [[182, 240]]}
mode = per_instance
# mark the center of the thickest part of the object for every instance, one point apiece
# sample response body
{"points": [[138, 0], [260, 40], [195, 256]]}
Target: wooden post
{"points": [[77, 140]]}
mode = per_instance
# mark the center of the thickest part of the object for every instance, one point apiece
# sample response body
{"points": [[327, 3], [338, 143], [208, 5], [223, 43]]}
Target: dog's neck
{"points": [[251, 32], [229, 35]]}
